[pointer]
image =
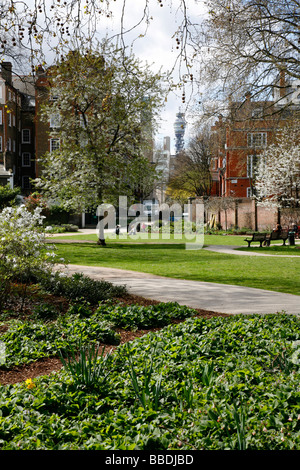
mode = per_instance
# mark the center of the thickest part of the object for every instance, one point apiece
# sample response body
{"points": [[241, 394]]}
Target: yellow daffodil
{"points": [[29, 383]]}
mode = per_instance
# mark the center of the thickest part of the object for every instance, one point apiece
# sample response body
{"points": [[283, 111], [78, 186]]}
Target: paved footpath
{"points": [[234, 250], [221, 298]]}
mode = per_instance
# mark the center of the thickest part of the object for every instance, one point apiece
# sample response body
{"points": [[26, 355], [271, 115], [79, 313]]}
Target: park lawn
{"points": [[237, 240], [173, 260]]}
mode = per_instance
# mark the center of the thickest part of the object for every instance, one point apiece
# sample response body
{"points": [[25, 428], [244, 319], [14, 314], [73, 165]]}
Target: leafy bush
{"points": [[23, 252], [137, 316], [79, 286], [28, 341], [45, 311], [57, 215], [35, 200], [177, 227], [8, 196], [80, 308], [62, 228], [22, 248]]}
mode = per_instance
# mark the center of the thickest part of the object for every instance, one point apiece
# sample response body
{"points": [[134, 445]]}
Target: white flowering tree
{"points": [[105, 106], [278, 171], [23, 252]]}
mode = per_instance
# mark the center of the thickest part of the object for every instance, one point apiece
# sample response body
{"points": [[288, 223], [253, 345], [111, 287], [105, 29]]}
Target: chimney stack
{"points": [[6, 72]]}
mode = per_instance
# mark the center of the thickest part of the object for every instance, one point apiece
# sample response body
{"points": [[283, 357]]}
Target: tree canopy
{"points": [[236, 46], [8, 196], [102, 116], [192, 168], [244, 45], [39, 26]]}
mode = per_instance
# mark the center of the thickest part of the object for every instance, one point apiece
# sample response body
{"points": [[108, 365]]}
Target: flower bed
{"points": [[204, 383]]}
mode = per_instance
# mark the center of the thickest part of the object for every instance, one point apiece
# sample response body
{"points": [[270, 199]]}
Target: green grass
{"points": [[143, 238], [237, 240], [173, 260]]}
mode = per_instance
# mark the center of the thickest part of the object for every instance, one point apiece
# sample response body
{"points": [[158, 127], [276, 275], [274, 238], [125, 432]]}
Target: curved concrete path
{"points": [[220, 298], [234, 250]]}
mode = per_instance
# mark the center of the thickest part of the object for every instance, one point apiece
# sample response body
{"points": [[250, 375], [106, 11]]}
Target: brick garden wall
{"points": [[242, 215]]}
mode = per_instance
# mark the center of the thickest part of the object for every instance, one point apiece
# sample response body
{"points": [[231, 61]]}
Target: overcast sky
{"points": [[158, 47]]}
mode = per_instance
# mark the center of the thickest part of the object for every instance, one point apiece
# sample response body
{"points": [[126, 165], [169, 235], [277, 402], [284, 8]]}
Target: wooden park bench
{"points": [[256, 237], [283, 235]]}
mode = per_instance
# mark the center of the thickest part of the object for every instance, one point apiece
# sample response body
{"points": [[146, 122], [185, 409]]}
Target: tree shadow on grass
{"points": [[128, 246]]}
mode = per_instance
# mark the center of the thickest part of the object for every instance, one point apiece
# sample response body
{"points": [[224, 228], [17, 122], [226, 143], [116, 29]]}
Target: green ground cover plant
{"points": [[27, 341], [139, 316], [214, 384], [48, 333], [173, 260]]}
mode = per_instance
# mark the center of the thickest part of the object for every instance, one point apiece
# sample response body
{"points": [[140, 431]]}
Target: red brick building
{"points": [[239, 140], [43, 138], [17, 129]]}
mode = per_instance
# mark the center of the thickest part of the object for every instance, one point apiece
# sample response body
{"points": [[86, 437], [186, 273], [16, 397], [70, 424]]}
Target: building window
{"points": [[14, 120], [14, 145], [1, 117], [1, 149], [8, 145], [249, 192], [257, 113], [249, 166], [25, 182], [26, 159], [53, 95], [9, 119], [257, 139], [55, 120], [26, 138], [54, 144]]}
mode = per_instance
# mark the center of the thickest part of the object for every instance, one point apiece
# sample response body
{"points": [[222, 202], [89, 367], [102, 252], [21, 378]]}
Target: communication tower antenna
{"points": [[179, 128]]}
